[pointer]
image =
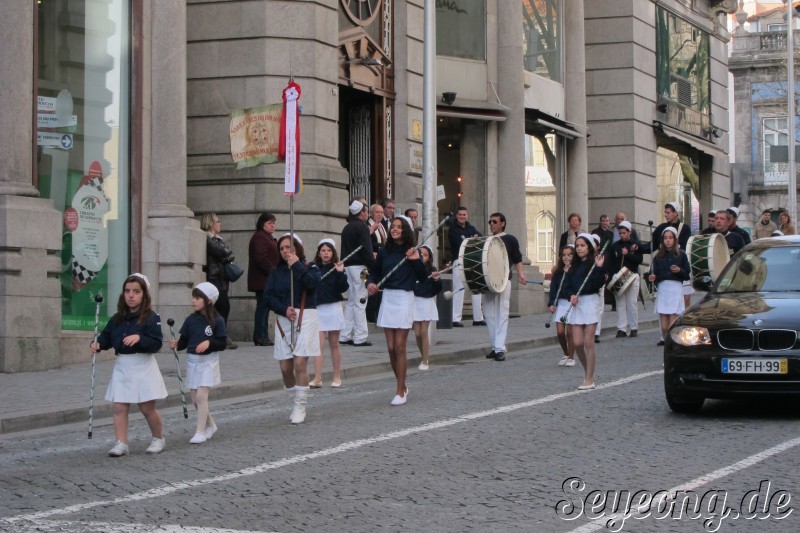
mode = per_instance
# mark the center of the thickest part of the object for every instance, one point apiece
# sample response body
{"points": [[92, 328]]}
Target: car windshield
{"points": [[763, 270]]}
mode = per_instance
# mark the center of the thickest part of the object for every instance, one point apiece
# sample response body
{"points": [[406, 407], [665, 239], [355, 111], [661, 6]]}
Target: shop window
{"points": [[83, 153], [461, 28], [541, 37]]}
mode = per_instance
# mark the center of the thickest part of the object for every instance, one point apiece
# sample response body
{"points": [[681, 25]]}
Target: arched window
{"points": [[544, 238]]}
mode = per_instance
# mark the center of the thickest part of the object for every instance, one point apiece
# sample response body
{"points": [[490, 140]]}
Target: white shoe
{"points": [[210, 430], [570, 362], [299, 409], [563, 360], [423, 366], [156, 445], [119, 449], [398, 400], [590, 386], [199, 438]]}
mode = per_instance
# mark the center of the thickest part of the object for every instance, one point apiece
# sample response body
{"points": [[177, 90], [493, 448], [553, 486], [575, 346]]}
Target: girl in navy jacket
{"points": [[670, 270], [558, 303], [425, 310]]}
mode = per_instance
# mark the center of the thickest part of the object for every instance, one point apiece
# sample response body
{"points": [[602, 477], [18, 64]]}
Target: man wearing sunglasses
{"points": [[496, 305]]}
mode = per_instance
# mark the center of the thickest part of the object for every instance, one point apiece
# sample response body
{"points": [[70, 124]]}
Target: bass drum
{"points": [[708, 255], [484, 264]]}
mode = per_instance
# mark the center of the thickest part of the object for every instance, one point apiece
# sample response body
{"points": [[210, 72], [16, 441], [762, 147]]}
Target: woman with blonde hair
{"points": [[786, 227], [217, 255]]}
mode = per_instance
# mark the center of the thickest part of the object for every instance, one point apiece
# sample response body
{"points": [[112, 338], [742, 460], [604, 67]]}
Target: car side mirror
{"points": [[745, 267]]}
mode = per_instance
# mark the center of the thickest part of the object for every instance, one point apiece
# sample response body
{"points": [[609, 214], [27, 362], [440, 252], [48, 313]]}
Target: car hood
{"points": [[775, 310]]}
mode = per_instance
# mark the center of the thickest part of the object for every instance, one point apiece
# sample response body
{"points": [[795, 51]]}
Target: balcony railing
{"points": [[768, 41]]}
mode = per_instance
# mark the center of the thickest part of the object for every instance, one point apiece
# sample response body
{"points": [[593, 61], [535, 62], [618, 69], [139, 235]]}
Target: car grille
{"points": [[776, 339], [768, 339], [735, 339]]}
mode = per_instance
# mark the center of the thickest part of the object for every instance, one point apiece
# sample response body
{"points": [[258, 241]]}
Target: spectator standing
{"points": [[786, 227], [378, 235], [217, 255], [765, 226], [711, 228], [569, 236], [262, 260]]}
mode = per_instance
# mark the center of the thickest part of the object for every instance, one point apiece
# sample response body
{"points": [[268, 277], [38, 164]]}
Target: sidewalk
{"points": [[43, 399]]}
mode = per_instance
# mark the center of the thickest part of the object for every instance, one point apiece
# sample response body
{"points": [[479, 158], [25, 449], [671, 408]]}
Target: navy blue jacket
{"points": [[405, 277], [149, 331], [278, 291], [661, 267], [331, 288], [631, 260], [577, 274], [196, 329], [429, 287], [555, 283], [513, 251], [456, 235], [683, 237], [356, 233]]}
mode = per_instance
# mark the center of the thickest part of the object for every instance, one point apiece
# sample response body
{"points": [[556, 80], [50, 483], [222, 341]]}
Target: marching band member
{"points": [[329, 309], [670, 269], [425, 309], [626, 254], [558, 303], [582, 286]]}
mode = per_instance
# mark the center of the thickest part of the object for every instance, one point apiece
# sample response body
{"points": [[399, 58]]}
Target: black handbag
{"points": [[233, 271]]}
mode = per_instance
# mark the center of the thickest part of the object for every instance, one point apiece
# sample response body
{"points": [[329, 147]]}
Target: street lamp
{"points": [[792, 200]]}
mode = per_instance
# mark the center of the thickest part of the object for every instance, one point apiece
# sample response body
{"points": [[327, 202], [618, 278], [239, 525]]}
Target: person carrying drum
{"points": [[734, 211], [496, 305], [461, 229], [624, 268], [355, 234], [723, 221]]}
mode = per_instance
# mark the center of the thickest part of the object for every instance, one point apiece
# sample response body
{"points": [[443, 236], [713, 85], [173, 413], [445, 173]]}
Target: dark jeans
{"points": [[260, 330], [223, 304]]}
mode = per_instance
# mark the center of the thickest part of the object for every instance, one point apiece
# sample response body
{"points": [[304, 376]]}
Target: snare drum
{"points": [[621, 281], [708, 254], [484, 264]]}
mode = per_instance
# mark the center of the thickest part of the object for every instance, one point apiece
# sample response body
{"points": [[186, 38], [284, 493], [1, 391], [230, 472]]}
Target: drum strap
{"points": [[299, 318]]}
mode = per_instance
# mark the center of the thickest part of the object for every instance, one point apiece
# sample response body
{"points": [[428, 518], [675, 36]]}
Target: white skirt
{"points": [[561, 309], [669, 299], [397, 309], [687, 288], [331, 316], [306, 342], [202, 370], [425, 309], [136, 379], [586, 311]]}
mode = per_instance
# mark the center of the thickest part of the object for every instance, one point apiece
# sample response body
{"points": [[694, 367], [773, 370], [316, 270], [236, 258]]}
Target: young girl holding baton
{"points": [[425, 309], [670, 270], [329, 309], [203, 335], [558, 303], [135, 334]]}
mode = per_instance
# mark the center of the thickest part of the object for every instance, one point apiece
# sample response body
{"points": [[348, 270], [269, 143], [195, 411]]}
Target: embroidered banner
{"points": [[255, 135]]}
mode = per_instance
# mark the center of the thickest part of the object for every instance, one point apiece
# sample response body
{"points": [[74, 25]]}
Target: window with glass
{"points": [[461, 28], [544, 239], [83, 146], [682, 62], [541, 37], [775, 133]]}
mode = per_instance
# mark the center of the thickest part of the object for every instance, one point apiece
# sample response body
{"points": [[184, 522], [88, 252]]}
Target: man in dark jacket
{"points": [[262, 259], [672, 212], [734, 211], [460, 230], [355, 234]]}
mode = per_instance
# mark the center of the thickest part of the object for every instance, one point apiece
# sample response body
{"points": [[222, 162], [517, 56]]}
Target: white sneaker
{"points": [[563, 360], [199, 438], [399, 400], [570, 362], [210, 430], [156, 445], [119, 449], [423, 366]]}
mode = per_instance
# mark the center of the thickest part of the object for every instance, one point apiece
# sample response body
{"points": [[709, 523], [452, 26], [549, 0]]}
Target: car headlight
{"points": [[690, 336]]}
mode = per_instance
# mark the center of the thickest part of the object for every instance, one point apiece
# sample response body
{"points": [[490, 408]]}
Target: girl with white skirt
{"points": [[396, 314], [584, 279], [670, 269], [329, 309], [203, 335], [425, 309], [135, 334], [558, 304]]}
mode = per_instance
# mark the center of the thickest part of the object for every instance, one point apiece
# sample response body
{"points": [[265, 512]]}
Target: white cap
{"points": [[211, 292], [588, 237], [356, 207], [406, 220], [329, 242], [670, 228], [734, 211], [296, 237], [625, 224], [143, 278], [674, 205]]}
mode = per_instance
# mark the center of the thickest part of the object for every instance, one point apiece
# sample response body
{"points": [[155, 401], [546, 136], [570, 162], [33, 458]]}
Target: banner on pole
{"points": [[255, 135], [290, 139]]}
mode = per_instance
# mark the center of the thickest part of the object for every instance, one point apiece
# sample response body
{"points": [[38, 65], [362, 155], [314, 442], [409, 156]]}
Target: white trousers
{"points": [[627, 308], [355, 312], [458, 298], [495, 312]]}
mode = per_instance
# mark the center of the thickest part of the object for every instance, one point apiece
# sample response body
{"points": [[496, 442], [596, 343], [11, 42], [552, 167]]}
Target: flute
{"points": [[580, 289], [351, 254]]}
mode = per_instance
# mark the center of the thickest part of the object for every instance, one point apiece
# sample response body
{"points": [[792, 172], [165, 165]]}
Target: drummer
{"points": [[496, 305], [723, 221], [625, 254]]}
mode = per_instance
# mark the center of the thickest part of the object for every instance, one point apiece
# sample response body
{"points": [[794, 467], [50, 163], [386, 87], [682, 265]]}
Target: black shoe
{"points": [[597, 339], [634, 333], [346, 342], [458, 325], [479, 323], [231, 345], [621, 334], [660, 343], [263, 342], [365, 343], [500, 356], [491, 355]]}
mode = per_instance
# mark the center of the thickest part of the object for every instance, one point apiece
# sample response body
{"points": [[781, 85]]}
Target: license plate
{"points": [[743, 365]]}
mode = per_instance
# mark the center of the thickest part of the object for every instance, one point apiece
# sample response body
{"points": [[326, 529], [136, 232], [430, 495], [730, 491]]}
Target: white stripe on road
{"points": [[114, 527], [347, 446], [747, 462]]}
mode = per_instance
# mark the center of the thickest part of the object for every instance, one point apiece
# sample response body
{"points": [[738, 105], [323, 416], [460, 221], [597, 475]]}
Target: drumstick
{"points": [[580, 289]]}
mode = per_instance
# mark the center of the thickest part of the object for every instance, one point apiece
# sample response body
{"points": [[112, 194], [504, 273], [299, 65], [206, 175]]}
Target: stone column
{"points": [[173, 248], [30, 292], [577, 193]]}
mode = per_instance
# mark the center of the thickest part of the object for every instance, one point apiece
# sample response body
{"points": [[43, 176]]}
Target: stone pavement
{"points": [[33, 400]]}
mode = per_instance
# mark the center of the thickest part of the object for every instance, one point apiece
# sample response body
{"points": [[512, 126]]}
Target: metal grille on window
{"points": [[389, 182], [360, 152]]}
